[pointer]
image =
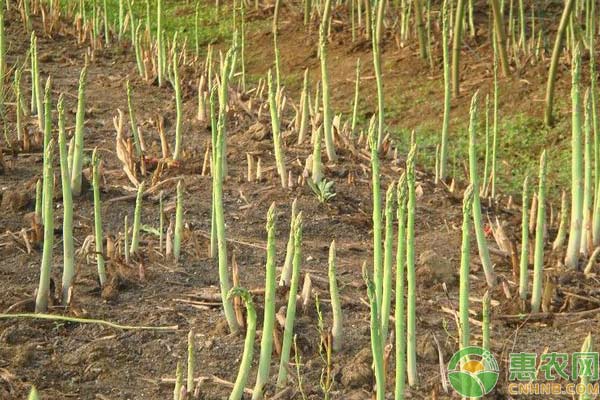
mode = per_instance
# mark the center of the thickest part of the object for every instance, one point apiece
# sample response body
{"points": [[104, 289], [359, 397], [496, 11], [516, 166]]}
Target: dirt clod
{"points": [[434, 269], [358, 372]]}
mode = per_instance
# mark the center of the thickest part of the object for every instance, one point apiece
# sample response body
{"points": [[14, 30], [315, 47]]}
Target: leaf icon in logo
{"points": [[466, 384], [473, 372]]}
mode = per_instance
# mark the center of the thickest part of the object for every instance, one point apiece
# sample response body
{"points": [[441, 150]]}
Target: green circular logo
{"points": [[473, 372]]}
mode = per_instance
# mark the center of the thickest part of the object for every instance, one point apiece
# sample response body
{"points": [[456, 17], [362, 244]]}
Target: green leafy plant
{"points": [[324, 190]]}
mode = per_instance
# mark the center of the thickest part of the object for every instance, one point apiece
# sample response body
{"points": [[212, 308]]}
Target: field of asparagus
{"points": [[307, 199]]}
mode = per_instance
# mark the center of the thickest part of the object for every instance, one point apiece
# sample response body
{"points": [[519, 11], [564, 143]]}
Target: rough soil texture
{"points": [[68, 360]]}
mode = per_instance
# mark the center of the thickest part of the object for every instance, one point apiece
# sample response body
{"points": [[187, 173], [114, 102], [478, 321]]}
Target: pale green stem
{"points": [[376, 43], [356, 92], [585, 382], [522, 38], [500, 36], [305, 112], [68, 247], [485, 329], [447, 91], [218, 174], [106, 30], [266, 342], [276, 129], [179, 107], [317, 165], [38, 199], [327, 113], [161, 222], [98, 235], [572, 256], [465, 261], [484, 254], [558, 44], [33, 394], [243, 44], [538, 261], [137, 46], [246, 361], [286, 271], [290, 316], [137, 220], [213, 127], [376, 344], [36, 84], [524, 263], [457, 45], [191, 363], [400, 312], [47, 125], [411, 305], [43, 292], [159, 43], [133, 120], [178, 381], [495, 130], [178, 234], [337, 329], [420, 27], [126, 239], [483, 188], [377, 223], [588, 185], [386, 298], [121, 19], [19, 107], [561, 235], [77, 166]]}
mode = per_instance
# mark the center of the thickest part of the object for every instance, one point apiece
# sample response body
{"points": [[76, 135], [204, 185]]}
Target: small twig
{"points": [[257, 246], [441, 362], [471, 320], [126, 197], [284, 394], [546, 315], [88, 321], [211, 378], [160, 184], [591, 262], [198, 303], [580, 297]]}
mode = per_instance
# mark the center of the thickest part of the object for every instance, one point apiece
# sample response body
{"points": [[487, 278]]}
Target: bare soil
{"points": [[69, 360]]}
